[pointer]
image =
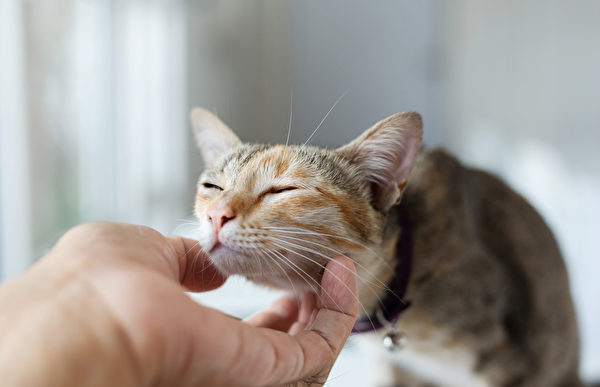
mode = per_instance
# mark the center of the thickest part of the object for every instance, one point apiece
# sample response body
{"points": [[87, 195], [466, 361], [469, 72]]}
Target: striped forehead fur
{"points": [[323, 162]]}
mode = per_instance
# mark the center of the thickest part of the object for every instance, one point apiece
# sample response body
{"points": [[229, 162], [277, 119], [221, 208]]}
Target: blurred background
{"points": [[95, 94]]}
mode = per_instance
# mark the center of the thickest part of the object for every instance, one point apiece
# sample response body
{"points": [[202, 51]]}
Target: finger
{"points": [[307, 312], [336, 314], [309, 304], [280, 315], [196, 272], [312, 352]]}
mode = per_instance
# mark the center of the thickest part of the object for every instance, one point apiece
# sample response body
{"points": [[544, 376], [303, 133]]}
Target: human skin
{"points": [[107, 307]]}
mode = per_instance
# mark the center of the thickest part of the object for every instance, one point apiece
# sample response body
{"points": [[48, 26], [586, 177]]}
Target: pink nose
{"points": [[219, 215]]}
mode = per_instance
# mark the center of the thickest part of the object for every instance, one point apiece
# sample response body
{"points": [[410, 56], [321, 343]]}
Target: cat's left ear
{"points": [[385, 154], [212, 135]]}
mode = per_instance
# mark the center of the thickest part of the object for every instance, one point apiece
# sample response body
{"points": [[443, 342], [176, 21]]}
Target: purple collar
{"points": [[393, 303]]}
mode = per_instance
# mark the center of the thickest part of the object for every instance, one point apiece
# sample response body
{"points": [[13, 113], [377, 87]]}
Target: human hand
{"points": [[106, 306]]}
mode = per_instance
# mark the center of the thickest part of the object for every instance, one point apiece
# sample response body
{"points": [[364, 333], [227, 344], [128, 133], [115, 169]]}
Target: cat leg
{"points": [[403, 378], [503, 365], [506, 366], [390, 375]]}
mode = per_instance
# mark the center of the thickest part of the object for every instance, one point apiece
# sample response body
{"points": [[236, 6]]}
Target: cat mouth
{"points": [[216, 246], [229, 260], [219, 250]]}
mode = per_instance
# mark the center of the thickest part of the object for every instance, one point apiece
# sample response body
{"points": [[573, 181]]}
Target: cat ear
{"points": [[212, 135], [385, 154]]}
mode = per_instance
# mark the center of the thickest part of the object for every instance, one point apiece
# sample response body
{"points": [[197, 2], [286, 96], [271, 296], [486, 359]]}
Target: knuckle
{"points": [[85, 229]]}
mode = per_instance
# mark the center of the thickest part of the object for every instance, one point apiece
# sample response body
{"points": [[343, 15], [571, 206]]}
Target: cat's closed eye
{"points": [[211, 186], [277, 190]]}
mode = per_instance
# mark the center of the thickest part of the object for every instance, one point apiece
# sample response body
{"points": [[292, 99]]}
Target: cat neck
{"points": [[383, 282]]}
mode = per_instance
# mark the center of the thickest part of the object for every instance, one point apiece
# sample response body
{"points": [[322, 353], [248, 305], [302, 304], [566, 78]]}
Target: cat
{"points": [[489, 292]]}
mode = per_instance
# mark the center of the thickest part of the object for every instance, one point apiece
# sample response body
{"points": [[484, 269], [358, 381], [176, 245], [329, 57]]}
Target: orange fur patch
{"points": [[348, 215]]}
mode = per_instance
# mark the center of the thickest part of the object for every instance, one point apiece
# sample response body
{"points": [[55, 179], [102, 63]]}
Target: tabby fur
{"points": [[491, 303]]}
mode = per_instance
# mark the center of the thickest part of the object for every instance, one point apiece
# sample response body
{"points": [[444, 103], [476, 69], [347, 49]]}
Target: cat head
{"points": [[276, 214]]}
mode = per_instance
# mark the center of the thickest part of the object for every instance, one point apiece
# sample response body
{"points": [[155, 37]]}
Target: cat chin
{"points": [[228, 261], [293, 285], [231, 262]]}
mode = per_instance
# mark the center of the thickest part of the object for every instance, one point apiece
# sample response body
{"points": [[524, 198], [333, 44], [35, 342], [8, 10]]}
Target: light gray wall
{"points": [[247, 60], [383, 54], [524, 69], [240, 64]]}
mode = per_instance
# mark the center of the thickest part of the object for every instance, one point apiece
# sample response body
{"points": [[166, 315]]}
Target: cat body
{"points": [[490, 297]]}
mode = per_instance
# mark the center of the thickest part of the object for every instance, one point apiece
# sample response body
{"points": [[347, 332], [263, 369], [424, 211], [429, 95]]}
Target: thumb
{"points": [[324, 337], [196, 272]]}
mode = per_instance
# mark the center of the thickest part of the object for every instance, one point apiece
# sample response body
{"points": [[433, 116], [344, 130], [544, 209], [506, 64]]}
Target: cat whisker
{"points": [[328, 248], [336, 252], [324, 268], [268, 254], [290, 124], [194, 263], [301, 273], [191, 248], [319, 287], [328, 258], [185, 222], [302, 231], [283, 259], [260, 266], [326, 115], [378, 283]]}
